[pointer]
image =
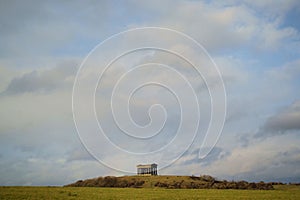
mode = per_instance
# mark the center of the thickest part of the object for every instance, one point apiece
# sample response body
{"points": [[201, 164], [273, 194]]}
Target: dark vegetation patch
{"points": [[171, 182]]}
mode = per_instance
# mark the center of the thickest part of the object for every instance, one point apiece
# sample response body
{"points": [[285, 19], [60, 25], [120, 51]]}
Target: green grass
{"points": [[280, 192]]}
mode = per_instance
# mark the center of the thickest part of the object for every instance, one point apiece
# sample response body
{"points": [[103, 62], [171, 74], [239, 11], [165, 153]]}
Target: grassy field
{"points": [[281, 192]]}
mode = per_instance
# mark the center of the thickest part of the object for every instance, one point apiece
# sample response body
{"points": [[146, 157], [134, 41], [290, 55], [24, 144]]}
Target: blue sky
{"points": [[255, 45]]}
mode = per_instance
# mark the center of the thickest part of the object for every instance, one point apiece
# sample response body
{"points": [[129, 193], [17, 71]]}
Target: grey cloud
{"points": [[216, 154], [286, 120], [193, 157], [79, 154], [44, 80], [55, 28]]}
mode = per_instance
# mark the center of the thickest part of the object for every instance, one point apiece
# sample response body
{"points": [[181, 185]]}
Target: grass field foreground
{"points": [[281, 192]]}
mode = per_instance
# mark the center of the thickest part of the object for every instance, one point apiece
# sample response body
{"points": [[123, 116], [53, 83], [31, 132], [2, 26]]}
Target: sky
{"points": [[65, 116]]}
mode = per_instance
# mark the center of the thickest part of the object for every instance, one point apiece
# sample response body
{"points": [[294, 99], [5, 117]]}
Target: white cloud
{"points": [[286, 73], [244, 161], [261, 160], [228, 25]]}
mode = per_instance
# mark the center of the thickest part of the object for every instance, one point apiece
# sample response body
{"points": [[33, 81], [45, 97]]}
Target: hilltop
{"points": [[179, 182]]}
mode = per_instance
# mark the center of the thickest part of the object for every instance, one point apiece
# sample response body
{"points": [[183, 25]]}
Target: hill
{"points": [[178, 182]]}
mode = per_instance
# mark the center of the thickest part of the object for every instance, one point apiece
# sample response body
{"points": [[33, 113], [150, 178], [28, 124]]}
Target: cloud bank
{"points": [[254, 43]]}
